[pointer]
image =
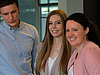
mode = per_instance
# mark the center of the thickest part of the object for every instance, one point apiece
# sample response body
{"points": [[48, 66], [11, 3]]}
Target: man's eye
{"points": [[5, 13], [13, 12]]}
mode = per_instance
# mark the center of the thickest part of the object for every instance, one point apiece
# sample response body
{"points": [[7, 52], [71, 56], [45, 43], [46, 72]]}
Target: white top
{"points": [[70, 72], [50, 64]]}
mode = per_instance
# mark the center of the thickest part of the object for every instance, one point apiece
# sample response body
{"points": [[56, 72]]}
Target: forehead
{"points": [[55, 17], [72, 23], [8, 8]]}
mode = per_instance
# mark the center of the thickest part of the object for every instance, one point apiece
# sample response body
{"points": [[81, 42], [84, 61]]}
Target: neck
{"points": [[56, 47], [79, 48], [57, 41]]}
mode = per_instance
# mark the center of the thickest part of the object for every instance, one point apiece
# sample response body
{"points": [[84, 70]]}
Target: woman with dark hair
{"points": [[54, 51], [85, 38]]}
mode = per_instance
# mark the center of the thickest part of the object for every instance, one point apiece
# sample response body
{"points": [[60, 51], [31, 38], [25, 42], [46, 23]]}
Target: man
{"points": [[18, 41]]}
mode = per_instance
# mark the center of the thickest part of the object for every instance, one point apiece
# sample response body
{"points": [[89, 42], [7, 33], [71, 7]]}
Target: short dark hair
{"points": [[7, 2]]}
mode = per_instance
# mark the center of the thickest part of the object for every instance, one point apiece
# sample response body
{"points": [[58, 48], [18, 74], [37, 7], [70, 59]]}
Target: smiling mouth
{"points": [[54, 31], [72, 39]]}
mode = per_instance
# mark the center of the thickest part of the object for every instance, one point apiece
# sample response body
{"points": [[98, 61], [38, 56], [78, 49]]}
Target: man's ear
{"points": [[18, 10], [0, 13]]}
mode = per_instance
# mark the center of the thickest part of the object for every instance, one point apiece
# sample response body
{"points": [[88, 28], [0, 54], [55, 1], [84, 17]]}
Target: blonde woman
{"points": [[54, 51]]}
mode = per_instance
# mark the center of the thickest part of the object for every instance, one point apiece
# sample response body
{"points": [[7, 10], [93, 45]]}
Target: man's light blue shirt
{"points": [[17, 49]]}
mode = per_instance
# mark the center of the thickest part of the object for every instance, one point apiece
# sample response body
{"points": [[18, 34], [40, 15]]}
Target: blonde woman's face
{"points": [[55, 26]]}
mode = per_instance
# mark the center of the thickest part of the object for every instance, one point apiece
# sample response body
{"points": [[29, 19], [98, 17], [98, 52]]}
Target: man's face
{"points": [[10, 14]]}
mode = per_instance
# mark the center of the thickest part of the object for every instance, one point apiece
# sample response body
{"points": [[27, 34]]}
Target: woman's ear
{"points": [[87, 30]]}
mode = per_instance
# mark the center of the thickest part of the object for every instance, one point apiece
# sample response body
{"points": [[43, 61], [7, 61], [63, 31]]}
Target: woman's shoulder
{"points": [[91, 57], [39, 46], [91, 50], [88, 45]]}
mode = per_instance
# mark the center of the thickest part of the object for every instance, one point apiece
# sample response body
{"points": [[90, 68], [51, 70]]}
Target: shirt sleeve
{"points": [[35, 45], [38, 50]]}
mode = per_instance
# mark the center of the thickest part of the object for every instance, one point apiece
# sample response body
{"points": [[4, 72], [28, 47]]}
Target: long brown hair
{"points": [[47, 44]]}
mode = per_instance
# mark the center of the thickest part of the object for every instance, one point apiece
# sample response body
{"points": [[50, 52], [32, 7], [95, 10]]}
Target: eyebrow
{"points": [[9, 12]]}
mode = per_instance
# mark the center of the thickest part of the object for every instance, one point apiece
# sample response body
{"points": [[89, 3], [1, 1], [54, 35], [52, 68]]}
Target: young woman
{"points": [[54, 51], [85, 38]]}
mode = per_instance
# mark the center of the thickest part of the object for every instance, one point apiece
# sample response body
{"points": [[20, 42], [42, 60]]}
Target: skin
{"points": [[56, 29], [55, 26], [10, 14], [75, 34]]}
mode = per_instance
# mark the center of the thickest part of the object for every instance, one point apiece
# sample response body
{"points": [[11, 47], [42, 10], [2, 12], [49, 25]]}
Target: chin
{"points": [[73, 45]]}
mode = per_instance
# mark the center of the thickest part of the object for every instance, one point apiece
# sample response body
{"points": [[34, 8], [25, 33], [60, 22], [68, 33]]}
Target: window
{"points": [[27, 11], [47, 1], [46, 6]]}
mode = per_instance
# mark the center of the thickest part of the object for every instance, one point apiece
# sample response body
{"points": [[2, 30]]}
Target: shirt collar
{"points": [[6, 25], [9, 28]]}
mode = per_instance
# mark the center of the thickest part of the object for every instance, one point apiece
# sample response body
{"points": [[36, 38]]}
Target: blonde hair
{"points": [[47, 44]]}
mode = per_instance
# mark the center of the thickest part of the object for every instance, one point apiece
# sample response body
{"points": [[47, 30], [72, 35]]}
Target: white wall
{"points": [[62, 4], [71, 6]]}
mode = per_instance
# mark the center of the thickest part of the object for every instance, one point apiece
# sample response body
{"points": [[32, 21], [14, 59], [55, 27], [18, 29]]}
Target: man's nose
{"points": [[10, 16]]}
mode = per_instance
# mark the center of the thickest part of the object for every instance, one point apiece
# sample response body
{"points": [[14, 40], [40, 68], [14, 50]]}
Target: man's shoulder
{"points": [[26, 24], [2, 22], [30, 26]]}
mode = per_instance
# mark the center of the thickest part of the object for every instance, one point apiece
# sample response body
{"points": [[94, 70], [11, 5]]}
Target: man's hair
{"points": [[8, 2]]}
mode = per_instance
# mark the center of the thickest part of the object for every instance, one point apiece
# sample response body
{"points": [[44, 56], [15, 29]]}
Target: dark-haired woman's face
{"points": [[75, 33]]}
